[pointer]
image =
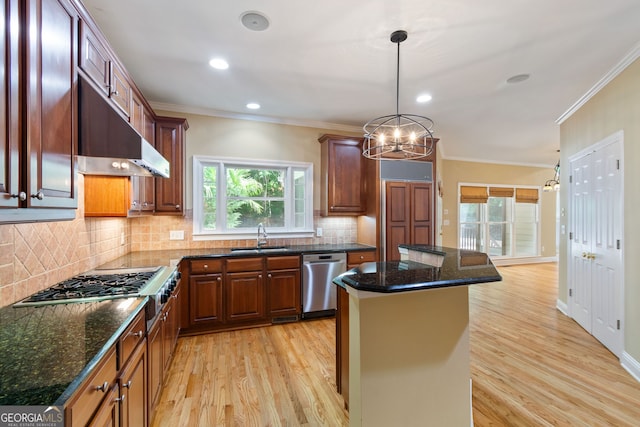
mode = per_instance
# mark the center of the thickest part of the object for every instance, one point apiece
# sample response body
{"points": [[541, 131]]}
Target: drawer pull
{"points": [[137, 334], [120, 399], [103, 388], [127, 384]]}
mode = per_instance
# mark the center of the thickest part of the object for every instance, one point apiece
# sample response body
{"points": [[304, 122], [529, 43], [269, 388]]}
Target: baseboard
{"points": [[563, 307], [523, 260], [631, 365]]}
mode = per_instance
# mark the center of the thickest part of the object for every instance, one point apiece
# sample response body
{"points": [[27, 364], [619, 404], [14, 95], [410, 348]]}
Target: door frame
{"points": [[616, 137]]}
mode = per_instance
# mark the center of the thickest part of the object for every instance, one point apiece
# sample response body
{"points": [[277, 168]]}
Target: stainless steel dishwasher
{"points": [[318, 291]]}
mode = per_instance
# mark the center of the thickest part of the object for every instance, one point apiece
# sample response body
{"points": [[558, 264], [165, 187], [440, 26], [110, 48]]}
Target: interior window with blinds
{"points": [[502, 221]]}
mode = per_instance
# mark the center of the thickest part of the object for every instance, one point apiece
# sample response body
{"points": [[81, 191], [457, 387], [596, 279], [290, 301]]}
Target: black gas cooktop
{"points": [[93, 286]]}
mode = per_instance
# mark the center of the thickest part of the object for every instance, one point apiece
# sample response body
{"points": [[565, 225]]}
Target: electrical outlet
{"points": [[319, 232], [176, 235]]}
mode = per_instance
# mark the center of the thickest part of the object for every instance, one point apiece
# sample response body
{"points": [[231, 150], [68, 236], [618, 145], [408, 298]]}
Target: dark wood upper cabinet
{"points": [[52, 136], [343, 172], [100, 65], [9, 108], [170, 139], [38, 118]]}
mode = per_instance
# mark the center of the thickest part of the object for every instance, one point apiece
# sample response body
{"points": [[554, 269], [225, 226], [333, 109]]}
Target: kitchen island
{"points": [[408, 337]]}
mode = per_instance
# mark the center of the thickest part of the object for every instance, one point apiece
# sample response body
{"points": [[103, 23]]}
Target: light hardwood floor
{"points": [[530, 365]]}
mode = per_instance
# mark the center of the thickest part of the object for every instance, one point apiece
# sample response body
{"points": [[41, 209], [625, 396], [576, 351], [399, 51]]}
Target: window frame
{"points": [[484, 222], [200, 162]]}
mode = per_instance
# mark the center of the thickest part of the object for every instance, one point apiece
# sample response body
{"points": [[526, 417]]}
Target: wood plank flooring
{"points": [[530, 365]]}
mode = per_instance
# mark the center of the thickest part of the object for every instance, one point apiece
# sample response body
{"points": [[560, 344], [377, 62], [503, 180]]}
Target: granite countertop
{"points": [[47, 351], [446, 267]]}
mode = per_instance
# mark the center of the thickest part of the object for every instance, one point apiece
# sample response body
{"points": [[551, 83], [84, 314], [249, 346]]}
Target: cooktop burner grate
{"points": [[113, 285]]}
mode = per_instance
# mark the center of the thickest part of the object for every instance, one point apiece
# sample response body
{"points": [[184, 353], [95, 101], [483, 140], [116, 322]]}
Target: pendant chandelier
{"points": [[553, 184], [398, 136]]}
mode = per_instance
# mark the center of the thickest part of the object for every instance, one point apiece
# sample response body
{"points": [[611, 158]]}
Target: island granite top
{"points": [[447, 267]]}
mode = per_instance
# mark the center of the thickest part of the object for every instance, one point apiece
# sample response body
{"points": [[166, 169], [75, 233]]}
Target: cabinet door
{"points": [[398, 215], [343, 172], [168, 339], [205, 299], [284, 292], [9, 109], [108, 414], [245, 296], [52, 108], [170, 143], [106, 196], [133, 389], [94, 59], [421, 213], [120, 89], [408, 216], [156, 365]]}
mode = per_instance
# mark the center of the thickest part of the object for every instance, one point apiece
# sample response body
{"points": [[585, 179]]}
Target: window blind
{"points": [[526, 195], [469, 194]]}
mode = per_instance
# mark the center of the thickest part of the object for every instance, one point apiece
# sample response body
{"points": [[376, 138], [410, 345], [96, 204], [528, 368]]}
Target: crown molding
{"points": [[627, 60], [252, 117], [498, 162]]}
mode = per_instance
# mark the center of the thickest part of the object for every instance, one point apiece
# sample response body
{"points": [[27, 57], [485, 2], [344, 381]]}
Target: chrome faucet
{"points": [[262, 237]]}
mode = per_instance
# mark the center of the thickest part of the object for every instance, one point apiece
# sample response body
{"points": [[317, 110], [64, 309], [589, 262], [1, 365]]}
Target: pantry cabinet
{"points": [[39, 121]]}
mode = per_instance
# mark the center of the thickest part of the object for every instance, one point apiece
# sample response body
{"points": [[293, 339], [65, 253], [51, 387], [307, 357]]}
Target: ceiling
{"points": [[331, 64]]}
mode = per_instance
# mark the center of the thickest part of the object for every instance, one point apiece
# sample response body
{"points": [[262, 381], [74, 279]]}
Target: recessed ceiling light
{"points": [[425, 97], [253, 106], [254, 21], [219, 64], [518, 78]]}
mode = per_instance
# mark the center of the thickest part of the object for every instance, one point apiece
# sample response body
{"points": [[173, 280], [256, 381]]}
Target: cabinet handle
{"points": [[361, 257], [22, 196], [103, 388], [39, 195], [127, 384], [269, 276], [120, 399], [206, 266], [137, 334], [259, 276], [115, 93], [219, 279], [145, 204], [177, 206]]}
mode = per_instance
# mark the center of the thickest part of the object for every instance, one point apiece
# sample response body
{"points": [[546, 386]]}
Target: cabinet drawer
{"points": [[282, 262], [244, 264], [93, 391], [204, 266], [360, 257], [131, 337]]}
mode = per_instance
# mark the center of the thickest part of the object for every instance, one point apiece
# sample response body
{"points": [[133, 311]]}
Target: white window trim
{"points": [[198, 184], [538, 219]]}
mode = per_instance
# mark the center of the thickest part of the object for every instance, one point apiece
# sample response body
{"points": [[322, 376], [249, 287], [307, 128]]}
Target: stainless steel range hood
{"points": [[108, 145]]}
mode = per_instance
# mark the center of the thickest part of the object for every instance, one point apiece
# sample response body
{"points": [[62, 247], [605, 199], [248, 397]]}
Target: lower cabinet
{"points": [[133, 389], [238, 292], [108, 414], [283, 287], [116, 393], [161, 343], [244, 286]]}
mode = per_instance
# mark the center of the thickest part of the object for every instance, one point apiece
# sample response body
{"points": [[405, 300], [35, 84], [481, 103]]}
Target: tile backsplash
{"points": [[34, 256]]}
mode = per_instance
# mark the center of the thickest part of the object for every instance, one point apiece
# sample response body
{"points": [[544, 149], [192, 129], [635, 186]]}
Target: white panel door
{"points": [[580, 264], [606, 296], [595, 262]]}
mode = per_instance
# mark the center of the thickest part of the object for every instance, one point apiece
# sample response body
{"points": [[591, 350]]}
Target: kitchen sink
{"points": [[259, 250]]}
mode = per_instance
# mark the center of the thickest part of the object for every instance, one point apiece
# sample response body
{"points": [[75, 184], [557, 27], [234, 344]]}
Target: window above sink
{"points": [[277, 194]]}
